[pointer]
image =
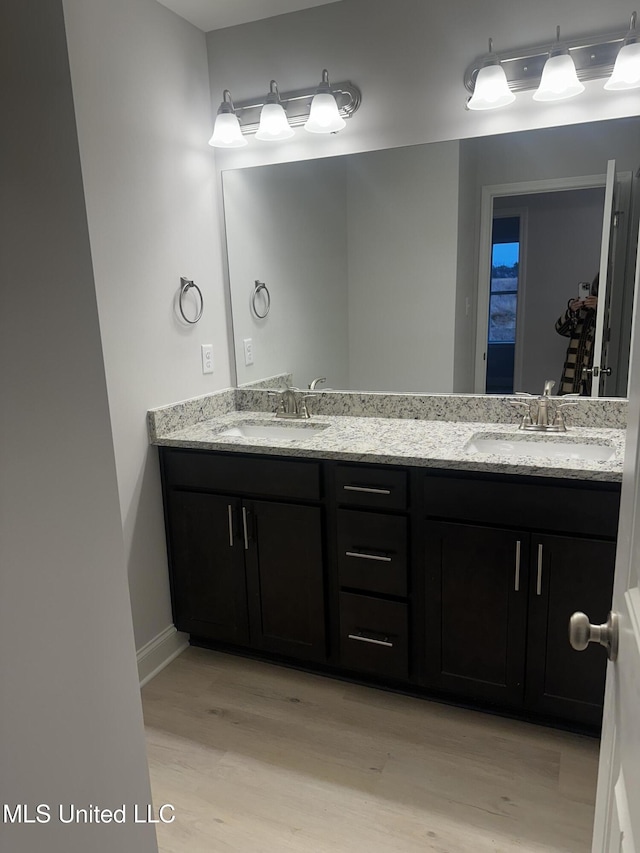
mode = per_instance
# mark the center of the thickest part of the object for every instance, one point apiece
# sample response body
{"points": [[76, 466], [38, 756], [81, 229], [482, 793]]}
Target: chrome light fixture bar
{"points": [[594, 57], [297, 105]]}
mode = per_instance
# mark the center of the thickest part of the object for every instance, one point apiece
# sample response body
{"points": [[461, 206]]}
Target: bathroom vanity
{"points": [[441, 572]]}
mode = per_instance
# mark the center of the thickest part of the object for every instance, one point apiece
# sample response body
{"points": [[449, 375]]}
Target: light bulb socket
{"points": [[274, 95], [227, 104]]}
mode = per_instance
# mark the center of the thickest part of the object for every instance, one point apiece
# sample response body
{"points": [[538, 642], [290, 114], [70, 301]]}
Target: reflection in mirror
{"points": [[379, 264]]}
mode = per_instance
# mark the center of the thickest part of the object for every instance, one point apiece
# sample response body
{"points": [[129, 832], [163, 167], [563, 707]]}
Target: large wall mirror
{"points": [[436, 268]]}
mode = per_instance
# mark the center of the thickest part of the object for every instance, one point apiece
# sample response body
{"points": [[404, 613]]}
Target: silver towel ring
{"points": [[258, 286], [185, 285]]}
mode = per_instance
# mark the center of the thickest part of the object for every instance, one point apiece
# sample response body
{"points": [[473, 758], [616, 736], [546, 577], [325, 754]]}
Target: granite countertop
{"points": [[399, 441]]}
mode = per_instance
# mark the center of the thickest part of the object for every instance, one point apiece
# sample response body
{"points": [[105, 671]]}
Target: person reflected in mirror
{"points": [[578, 323]]}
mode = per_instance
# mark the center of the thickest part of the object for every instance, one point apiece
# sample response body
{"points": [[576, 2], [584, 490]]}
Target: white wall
{"points": [[141, 95], [70, 718], [286, 226], [409, 58], [402, 216]]}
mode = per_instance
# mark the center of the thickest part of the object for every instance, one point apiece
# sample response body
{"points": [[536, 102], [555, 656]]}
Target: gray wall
{"points": [[141, 95], [402, 227], [287, 226], [70, 717]]}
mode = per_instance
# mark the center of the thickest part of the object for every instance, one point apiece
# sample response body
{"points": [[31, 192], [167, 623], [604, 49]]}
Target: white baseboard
{"points": [[159, 652]]}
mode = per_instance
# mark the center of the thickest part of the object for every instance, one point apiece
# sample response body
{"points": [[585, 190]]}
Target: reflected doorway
{"points": [[503, 303]]}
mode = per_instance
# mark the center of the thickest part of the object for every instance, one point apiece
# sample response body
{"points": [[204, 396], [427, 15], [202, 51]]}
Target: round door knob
{"points": [[582, 632]]}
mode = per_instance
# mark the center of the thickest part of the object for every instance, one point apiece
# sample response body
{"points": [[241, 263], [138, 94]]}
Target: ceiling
{"points": [[216, 14]]}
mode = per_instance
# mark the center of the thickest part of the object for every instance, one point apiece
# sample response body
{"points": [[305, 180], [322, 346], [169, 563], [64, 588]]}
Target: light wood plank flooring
{"points": [[258, 758]]}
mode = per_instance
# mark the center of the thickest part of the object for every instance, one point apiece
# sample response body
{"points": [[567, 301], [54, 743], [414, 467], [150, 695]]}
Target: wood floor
{"points": [[262, 759]]}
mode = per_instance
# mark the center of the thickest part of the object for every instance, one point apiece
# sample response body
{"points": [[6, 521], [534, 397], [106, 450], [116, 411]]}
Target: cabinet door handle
{"points": [[230, 509], [362, 639], [517, 579], [245, 528], [539, 579], [369, 489], [362, 556]]}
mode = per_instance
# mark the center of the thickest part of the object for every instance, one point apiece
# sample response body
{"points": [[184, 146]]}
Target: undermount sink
{"points": [[273, 430], [541, 448]]}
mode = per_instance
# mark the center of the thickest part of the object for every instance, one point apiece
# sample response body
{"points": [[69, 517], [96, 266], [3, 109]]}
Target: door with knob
{"points": [[617, 818], [568, 573]]}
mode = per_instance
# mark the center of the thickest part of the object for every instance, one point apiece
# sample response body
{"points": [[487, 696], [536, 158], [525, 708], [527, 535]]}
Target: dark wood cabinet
{"points": [[476, 611], [285, 577], [456, 585], [568, 574], [374, 635], [208, 574], [243, 571], [499, 592]]}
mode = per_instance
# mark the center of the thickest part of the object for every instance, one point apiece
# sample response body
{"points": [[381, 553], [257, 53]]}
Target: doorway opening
{"points": [[503, 304]]}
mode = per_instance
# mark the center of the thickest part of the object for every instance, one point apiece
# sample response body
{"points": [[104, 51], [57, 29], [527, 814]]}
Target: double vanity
{"points": [[423, 544]]}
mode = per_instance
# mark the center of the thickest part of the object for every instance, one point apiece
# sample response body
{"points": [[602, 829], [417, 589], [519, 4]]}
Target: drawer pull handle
{"points": [[369, 490], [517, 581], [362, 556], [539, 578], [245, 529], [229, 507], [362, 639]]}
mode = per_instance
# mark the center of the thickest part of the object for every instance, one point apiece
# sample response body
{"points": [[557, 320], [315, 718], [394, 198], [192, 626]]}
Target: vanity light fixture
{"points": [[324, 116], [559, 79], [559, 73], [226, 130], [321, 109], [626, 72], [274, 124], [491, 88]]}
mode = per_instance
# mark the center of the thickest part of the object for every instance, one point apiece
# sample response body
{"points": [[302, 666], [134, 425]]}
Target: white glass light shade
{"points": [[626, 72], [324, 116], [559, 79], [491, 89], [274, 124], [226, 132]]}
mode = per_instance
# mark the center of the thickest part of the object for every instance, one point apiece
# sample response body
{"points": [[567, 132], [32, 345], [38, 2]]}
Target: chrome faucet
{"points": [[315, 382], [544, 414], [291, 403]]}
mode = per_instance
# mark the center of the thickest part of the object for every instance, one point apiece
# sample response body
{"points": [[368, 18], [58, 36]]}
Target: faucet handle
{"points": [[280, 395], [526, 418], [303, 408]]}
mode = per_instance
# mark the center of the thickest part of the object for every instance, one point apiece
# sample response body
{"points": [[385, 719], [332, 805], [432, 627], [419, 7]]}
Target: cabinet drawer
{"points": [[233, 474], [372, 551], [534, 505], [374, 635], [383, 488]]}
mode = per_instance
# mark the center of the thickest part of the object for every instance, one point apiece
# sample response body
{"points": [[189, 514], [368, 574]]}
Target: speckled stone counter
{"points": [[384, 440]]}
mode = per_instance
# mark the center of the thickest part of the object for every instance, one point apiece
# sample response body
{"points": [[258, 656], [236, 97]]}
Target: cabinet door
{"points": [[207, 566], [286, 579], [567, 574], [476, 609]]}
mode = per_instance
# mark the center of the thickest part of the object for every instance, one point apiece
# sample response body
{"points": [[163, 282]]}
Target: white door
{"points": [[602, 313], [617, 819]]}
